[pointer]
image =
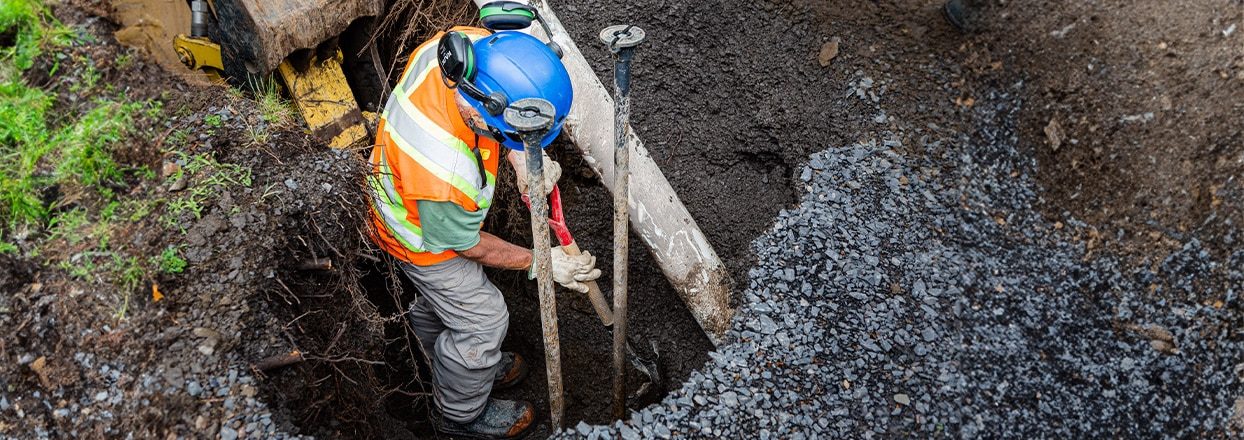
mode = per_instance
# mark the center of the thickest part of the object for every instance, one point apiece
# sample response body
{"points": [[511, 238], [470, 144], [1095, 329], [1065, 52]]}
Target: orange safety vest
{"points": [[425, 151]]}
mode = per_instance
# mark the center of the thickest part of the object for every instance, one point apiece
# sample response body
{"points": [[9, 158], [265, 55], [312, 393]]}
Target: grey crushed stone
{"points": [[922, 295]]}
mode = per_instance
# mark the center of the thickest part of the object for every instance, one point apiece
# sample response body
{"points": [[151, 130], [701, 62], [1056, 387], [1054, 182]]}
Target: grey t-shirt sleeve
{"points": [[447, 226]]}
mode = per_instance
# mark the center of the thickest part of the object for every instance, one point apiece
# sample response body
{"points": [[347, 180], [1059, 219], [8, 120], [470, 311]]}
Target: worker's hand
{"points": [[552, 171], [572, 270]]}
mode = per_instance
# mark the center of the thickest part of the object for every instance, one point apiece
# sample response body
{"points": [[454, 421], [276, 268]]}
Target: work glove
{"points": [[571, 271], [552, 172]]}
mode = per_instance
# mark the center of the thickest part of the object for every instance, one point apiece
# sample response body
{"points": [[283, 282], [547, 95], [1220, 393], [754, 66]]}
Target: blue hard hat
{"points": [[520, 66]]}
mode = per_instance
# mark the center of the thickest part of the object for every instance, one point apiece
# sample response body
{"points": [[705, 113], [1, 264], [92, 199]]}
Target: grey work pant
{"points": [[460, 318]]}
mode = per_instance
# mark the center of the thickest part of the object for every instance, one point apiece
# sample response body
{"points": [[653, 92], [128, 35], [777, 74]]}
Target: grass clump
{"points": [[35, 156], [169, 261], [31, 26], [273, 108], [23, 142], [209, 179], [84, 147]]}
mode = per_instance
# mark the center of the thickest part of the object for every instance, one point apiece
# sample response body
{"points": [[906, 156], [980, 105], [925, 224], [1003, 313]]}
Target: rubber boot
{"points": [[510, 371], [956, 14], [501, 419]]}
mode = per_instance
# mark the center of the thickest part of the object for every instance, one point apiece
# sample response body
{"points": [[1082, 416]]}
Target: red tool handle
{"points": [[557, 222]]}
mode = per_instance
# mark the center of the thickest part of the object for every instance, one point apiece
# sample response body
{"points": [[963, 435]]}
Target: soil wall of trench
{"points": [[730, 97]]}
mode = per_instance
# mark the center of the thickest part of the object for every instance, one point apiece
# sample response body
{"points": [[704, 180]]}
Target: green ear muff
{"points": [[512, 16], [506, 15], [456, 56]]}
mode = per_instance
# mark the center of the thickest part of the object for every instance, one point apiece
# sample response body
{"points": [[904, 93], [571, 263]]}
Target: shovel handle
{"points": [[593, 290]]}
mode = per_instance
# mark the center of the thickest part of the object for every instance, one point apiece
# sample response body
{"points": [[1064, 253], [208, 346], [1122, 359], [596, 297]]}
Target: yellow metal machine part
{"points": [[325, 100], [199, 54], [261, 32], [320, 90]]}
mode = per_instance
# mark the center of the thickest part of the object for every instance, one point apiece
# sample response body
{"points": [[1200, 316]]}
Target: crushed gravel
{"points": [[924, 296]]}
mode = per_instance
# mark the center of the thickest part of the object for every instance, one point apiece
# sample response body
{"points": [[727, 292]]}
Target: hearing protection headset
{"points": [[456, 55]]}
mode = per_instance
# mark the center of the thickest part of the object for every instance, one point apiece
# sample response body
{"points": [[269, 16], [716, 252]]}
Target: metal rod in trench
{"points": [[532, 118], [622, 41]]}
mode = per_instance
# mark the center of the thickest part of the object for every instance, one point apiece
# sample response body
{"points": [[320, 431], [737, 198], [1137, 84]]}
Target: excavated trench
{"points": [[658, 317], [729, 149], [660, 326], [727, 123]]}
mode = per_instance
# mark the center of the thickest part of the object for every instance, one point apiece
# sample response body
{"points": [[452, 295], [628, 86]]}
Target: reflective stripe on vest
{"points": [[388, 205], [437, 150], [432, 147]]}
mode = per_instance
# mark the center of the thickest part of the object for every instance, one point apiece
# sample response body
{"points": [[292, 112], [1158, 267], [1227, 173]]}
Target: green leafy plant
{"points": [[23, 142], [128, 274], [258, 135], [177, 139], [273, 108], [208, 178], [84, 147], [139, 208], [68, 226], [33, 28], [124, 61], [169, 261], [126, 271], [87, 79]]}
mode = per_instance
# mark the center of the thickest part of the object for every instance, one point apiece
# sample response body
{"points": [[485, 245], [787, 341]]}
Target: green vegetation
{"points": [[33, 28], [35, 156], [89, 77], [23, 134], [274, 109], [124, 61], [209, 179], [169, 261], [84, 146], [67, 226], [66, 194], [35, 153]]}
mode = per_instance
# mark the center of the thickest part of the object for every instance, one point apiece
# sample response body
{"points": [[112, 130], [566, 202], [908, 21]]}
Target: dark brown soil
{"points": [[729, 98], [1148, 96], [239, 300]]}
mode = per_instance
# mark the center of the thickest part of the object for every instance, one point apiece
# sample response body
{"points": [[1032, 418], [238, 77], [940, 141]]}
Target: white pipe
{"points": [[659, 217]]}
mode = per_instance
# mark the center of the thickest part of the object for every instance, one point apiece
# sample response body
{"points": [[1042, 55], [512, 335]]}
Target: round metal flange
{"points": [[622, 36], [530, 114]]}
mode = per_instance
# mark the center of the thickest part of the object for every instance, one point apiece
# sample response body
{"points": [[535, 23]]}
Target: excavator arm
{"points": [[295, 39]]}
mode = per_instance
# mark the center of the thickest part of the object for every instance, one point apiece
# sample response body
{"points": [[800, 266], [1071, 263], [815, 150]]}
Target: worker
{"points": [[434, 167]]}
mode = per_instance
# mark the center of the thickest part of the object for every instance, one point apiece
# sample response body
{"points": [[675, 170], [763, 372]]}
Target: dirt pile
{"points": [[927, 298], [1135, 115], [917, 289], [239, 201], [729, 123]]}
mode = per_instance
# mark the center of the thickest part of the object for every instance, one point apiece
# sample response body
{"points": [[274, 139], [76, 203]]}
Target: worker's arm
{"points": [[449, 227], [492, 251]]}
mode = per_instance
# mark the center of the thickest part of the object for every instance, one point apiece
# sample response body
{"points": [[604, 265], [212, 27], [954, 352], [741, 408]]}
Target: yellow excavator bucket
{"points": [[257, 37], [325, 100]]}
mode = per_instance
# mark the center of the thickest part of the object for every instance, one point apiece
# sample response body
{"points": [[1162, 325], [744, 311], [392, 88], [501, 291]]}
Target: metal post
{"points": [[622, 40], [532, 118]]}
